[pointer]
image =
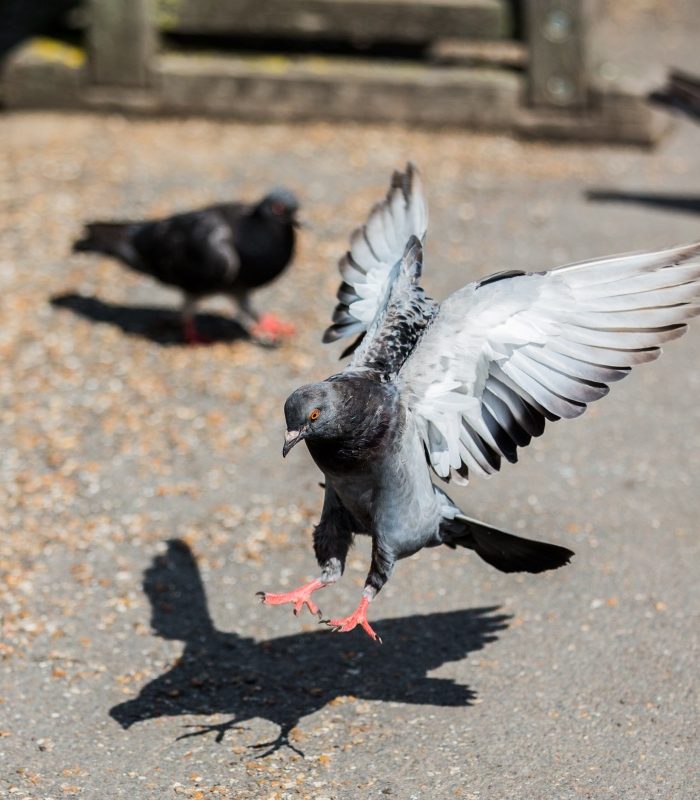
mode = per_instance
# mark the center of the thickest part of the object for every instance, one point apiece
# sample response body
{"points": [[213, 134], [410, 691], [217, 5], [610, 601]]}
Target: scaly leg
{"points": [[358, 617], [332, 539], [301, 596], [271, 326], [382, 566], [266, 328], [189, 327]]}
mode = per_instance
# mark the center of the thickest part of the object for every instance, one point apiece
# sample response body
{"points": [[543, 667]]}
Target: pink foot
{"points": [[191, 335], [270, 327], [358, 617], [300, 597]]}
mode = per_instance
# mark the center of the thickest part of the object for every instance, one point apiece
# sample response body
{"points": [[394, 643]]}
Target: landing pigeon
{"points": [[458, 387], [230, 249]]}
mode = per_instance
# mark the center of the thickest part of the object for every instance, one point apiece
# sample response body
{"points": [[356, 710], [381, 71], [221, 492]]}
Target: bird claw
{"points": [[270, 330], [300, 597], [358, 617], [202, 730], [334, 629], [313, 609]]}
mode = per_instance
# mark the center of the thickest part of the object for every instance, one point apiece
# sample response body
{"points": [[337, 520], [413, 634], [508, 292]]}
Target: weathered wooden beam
{"points": [[557, 35], [365, 21], [121, 42]]}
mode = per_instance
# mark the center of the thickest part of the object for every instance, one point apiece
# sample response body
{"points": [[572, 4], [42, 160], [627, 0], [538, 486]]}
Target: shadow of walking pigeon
{"points": [[159, 325], [288, 678]]}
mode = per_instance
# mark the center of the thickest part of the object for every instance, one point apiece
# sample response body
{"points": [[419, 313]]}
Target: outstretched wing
{"points": [[375, 249], [507, 353]]}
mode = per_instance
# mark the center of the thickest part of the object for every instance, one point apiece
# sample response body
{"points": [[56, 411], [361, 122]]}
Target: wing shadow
{"points": [[670, 202], [159, 325], [285, 679], [681, 93]]}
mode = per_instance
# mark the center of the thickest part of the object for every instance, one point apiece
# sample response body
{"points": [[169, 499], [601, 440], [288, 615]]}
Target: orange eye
{"points": [[315, 414]]}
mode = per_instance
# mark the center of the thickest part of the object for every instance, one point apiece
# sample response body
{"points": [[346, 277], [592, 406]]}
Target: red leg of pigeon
{"points": [[301, 596], [190, 333], [189, 327], [270, 326], [358, 617]]}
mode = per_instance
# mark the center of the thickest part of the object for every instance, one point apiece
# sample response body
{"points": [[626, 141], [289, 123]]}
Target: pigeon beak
{"points": [[290, 439]]}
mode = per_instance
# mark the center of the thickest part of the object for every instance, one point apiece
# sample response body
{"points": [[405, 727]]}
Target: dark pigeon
{"points": [[459, 386], [230, 249]]}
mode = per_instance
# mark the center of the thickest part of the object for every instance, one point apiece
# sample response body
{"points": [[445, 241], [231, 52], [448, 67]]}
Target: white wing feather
{"points": [[375, 248], [501, 358]]}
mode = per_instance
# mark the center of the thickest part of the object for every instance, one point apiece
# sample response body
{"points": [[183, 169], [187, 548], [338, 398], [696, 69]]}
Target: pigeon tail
{"points": [[109, 238], [505, 551]]}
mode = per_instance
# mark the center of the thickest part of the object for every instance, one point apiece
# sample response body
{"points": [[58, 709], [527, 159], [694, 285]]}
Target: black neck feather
{"points": [[371, 421]]}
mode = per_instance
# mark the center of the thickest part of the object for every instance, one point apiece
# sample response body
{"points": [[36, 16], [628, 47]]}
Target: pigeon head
{"points": [[280, 205], [353, 413], [314, 411]]}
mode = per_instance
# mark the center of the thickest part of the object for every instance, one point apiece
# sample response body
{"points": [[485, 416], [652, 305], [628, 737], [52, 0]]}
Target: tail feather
{"points": [[110, 238], [505, 551]]}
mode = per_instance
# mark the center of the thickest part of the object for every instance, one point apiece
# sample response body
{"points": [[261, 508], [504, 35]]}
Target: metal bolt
{"points": [[557, 26], [560, 89]]}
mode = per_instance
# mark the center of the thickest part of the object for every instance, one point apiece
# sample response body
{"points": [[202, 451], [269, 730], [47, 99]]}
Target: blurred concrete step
{"points": [[45, 74], [282, 88], [275, 88], [497, 52], [366, 21]]}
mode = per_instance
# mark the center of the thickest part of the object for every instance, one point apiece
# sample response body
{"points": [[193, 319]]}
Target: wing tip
{"points": [[410, 184], [412, 258], [340, 330]]}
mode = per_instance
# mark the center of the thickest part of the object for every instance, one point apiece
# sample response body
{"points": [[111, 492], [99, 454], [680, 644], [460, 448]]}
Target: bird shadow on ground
{"points": [[159, 325], [670, 202], [285, 679]]}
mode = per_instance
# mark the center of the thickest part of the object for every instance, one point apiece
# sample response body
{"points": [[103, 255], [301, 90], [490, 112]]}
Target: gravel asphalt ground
{"points": [[144, 499]]}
